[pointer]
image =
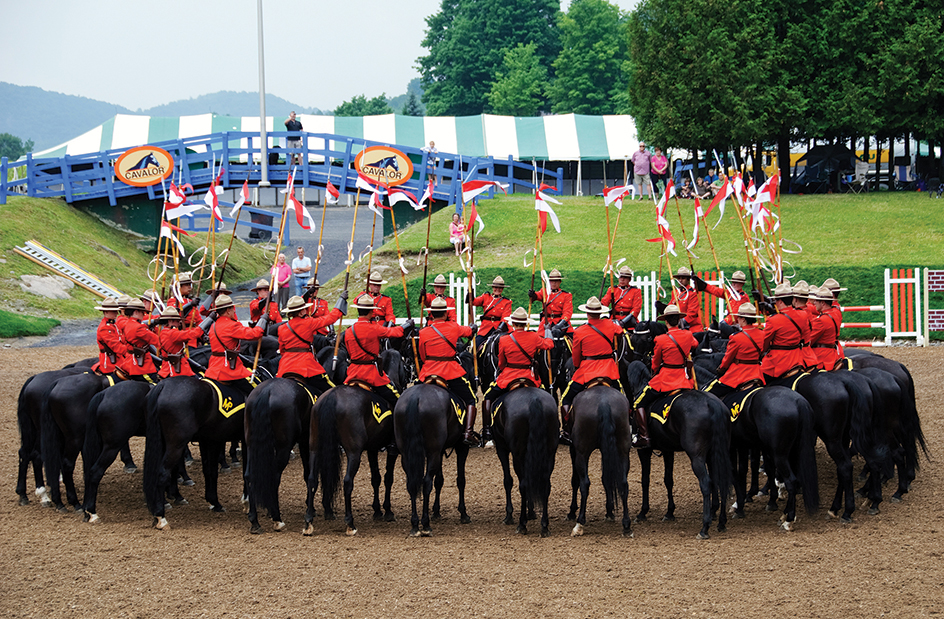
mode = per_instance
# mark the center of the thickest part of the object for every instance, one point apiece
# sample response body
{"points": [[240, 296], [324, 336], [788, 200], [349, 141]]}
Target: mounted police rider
{"points": [[225, 335], [624, 300], [740, 367], [496, 308], [296, 343], [439, 292]]}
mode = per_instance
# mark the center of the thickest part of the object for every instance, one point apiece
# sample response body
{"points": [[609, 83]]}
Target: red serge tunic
{"points": [[439, 353], [255, 310], [824, 337], [803, 319], [295, 338], [513, 363], [494, 310], [782, 345], [623, 301], [225, 334], [318, 309], [836, 312], [362, 342], [734, 300], [172, 343], [109, 342], [383, 308], [139, 336], [559, 306], [593, 353], [191, 319], [450, 306], [668, 362], [688, 304], [741, 361]]}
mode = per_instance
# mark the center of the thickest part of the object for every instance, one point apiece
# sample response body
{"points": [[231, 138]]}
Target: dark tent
{"points": [[822, 167]]}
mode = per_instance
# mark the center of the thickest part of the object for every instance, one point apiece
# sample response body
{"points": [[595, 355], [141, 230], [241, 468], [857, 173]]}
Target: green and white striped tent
{"points": [[568, 137]]}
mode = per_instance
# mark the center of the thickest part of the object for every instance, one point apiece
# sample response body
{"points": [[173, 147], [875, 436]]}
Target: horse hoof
{"points": [[830, 514], [787, 526], [846, 520], [226, 470], [859, 494], [895, 499], [161, 524], [639, 518], [130, 469], [545, 532], [770, 508], [62, 509], [45, 501], [426, 533], [415, 533], [702, 535], [510, 520], [219, 509], [167, 506], [255, 529], [578, 530], [378, 516], [330, 516], [309, 530], [722, 528], [351, 532], [278, 526], [628, 533], [737, 515], [24, 500], [181, 502], [668, 518], [464, 519], [570, 516], [189, 482], [389, 517], [521, 530], [609, 518], [244, 499], [874, 511], [748, 499]]}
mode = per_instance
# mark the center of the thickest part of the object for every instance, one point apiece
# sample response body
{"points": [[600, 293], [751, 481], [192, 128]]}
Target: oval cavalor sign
{"points": [[144, 165], [383, 164]]}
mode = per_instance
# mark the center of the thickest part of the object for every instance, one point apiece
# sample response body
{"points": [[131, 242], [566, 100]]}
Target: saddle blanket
{"points": [[229, 400], [737, 401], [660, 410]]}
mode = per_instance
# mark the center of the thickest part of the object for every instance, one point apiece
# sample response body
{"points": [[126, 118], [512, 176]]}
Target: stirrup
{"points": [[564, 439], [472, 438], [638, 442]]}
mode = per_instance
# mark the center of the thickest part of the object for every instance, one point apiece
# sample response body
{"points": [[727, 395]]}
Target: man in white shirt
{"points": [[301, 267]]}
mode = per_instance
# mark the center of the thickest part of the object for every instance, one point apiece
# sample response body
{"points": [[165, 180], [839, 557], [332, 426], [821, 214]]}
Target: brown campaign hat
{"points": [[220, 288], [555, 275], [314, 283], [498, 282], [438, 305], [223, 302], [375, 278], [833, 286], [123, 301], [801, 289], [738, 276], [683, 272], [821, 294], [295, 304], [150, 295], [364, 302], [136, 305], [670, 310], [747, 310], [519, 316], [108, 305], [263, 284], [626, 272], [783, 291], [170, 313], [185, 278], [593, 306], [440, 280]]}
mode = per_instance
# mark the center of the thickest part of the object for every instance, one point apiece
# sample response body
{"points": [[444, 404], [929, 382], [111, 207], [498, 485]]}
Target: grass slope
{"points": [[85, 240], [849, 237], [16, 325]]}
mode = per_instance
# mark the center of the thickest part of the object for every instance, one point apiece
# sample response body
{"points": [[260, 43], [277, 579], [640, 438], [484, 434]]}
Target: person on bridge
{"points": [[439, 292], [671, 369], [624, 300], [301, 268], [225, 334], [383, 305], [437, 349], [558, 305], [495, 309], [294, 143], [594, 356], [174, 345], [139, 364], [740, 367], [296, 342], [111, 347], [362, 342]]}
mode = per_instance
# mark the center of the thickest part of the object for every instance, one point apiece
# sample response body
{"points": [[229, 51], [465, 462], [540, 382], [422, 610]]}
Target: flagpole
{"points": [[370, 256], [609, 250], [324, 209], [678, 208], [406, 295], [231, 239], [534, 260], [711, 244], [429, 223], [272, 279], [347, 276]]}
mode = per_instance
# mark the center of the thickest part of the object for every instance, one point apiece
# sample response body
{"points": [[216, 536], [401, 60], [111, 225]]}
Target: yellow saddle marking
{"points": [[311, 396], [459, 410], [226, 406], [797, 380], [111, 380], [663, 415], [739, 404], [379, 413]]}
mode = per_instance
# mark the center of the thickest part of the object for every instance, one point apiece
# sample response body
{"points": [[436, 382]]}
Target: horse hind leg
{"points": [[210, 452], [704, 484], [388, 484], [574, 484], [507, 481], [462, 453], [668, 460], [375, 479], [96, 473], [581, 470], [624, 498], [353, 463]]}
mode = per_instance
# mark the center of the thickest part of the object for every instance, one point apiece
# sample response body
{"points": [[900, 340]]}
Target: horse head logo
{"points": [[386, 162], [146, 161]]}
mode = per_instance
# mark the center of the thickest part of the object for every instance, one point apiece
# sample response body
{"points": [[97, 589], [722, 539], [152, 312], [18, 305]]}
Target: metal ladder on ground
{"points": [[46, 257]]}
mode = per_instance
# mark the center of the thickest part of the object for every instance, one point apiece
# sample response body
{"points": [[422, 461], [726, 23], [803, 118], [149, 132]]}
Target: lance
{"points": [[609, 252], [406, 296], [471, 280], [711, 244], [370, 256], [534, 262], [272, 280], [678, 208], [232, 237], [324, 209], [429, 223], [347, 276]]}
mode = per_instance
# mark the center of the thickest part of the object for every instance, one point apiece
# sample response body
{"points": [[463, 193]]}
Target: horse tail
{"points": [[92, 447], [413, 455], [719, 460], [153, 452], [911, 424], [609, 453], [263, 481], [538, 458], [809, 478], [329, 457], [861, 422], [28, 434], [51, 440]]}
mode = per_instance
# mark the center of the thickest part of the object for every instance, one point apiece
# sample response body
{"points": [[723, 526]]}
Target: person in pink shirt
{"points": [[659, 169], [282, 273], [457, 233]]}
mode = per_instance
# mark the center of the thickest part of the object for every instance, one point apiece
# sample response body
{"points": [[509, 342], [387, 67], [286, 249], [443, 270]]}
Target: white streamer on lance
{"points": [[159, 305], [546, 283], [618, 263], [320, 252], [423, 252], [462, 266], [793, 268], [175, 290], [798, 250], [526, 263], [200, 252], [350, 255], [367, 251], [660, 291], [160, 263], [403, 268]]}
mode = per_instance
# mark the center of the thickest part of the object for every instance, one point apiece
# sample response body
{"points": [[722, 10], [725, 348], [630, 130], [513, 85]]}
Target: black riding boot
{"points": [[641, 436], [471, 438], [486, 422], [567, 424]]}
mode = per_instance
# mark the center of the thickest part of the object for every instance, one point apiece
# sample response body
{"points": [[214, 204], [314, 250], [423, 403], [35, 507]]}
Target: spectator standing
{"points": [[282, 274], [641, 167], [301, 267], [294, 143], [431, 160], [457, 233], [660, 170]]}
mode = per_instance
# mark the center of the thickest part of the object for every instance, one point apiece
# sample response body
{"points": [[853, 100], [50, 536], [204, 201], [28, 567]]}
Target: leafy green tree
{"points": [[589, 69], [412, 107], [467, 41], [362, 106], [519, 86], [13, 148]]}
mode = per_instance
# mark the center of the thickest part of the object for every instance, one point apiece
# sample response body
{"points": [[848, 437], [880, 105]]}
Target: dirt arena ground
{"points": [[208, 565]]}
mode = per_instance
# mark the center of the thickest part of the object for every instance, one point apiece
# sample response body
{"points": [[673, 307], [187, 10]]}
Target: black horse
{"points": [[526, 427], [278, 414], [181, 409], [426, 424], [778, 422], [28, 407], [64, 415], [699, 425], [601, 421], [114, 416]]}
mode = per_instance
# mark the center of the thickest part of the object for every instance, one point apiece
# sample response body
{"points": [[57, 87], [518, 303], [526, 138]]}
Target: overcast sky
{"points": [[141, 54]]}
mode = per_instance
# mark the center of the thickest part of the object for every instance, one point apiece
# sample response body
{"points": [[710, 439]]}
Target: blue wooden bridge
{"points": [[90, 177]]}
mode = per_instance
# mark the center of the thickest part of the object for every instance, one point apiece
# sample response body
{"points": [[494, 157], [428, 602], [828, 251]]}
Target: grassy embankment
{"points": [[849, 237], [113, 255]]}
